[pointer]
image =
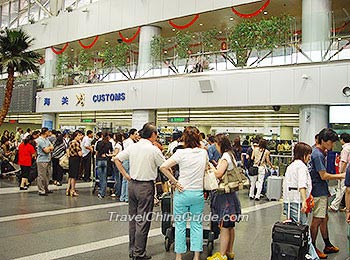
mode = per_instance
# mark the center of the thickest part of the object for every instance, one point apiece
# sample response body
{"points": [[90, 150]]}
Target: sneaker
{"points": [[230, 256], [330, 249], [217, 256], [320, 254], [99, 196], [113, 195]]}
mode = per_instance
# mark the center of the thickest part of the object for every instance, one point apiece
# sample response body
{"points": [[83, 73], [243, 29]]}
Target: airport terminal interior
{"points": [[277, 70]]}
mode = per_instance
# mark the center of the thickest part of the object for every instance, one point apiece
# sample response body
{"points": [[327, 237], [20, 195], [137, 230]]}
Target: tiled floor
{"points": [[79, 228]]}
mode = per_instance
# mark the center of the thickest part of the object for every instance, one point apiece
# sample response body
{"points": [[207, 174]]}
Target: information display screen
{"points": [[339, 114]]}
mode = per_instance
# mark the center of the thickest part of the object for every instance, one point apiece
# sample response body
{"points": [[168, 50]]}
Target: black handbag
{"points": [[254, 170]]}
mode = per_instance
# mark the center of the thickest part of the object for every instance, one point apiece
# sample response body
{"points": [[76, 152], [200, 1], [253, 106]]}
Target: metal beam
{"points": [[43, 7]]}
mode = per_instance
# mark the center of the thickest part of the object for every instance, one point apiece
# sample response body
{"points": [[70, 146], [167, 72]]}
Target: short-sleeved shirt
{"points": [[226, 156], [317, 164], [144, 159], [297, 176], [25, 154], [41, 144], [84, 143], [103, 149], [192, 163], [213, 153]]}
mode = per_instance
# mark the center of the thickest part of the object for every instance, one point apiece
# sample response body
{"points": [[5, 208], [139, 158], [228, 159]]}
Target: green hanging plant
{"points": [[209, 40], [265, 34], [121, 54], [157, 47], [183, 40]]}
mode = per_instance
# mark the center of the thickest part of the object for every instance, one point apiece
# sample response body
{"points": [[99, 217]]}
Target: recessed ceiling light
{"points": [[169, 40], [200, 24], [194, 36], [220, 32], [173, 29], [265, 12], [127, 38], [165, 52], [107, 42], [339, 39], [72, 49], [231, 18]]}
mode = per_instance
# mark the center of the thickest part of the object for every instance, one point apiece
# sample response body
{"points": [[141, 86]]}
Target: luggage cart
{"points": [[210, 232]]}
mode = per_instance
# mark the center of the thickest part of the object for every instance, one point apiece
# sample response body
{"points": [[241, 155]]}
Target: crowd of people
{"points": [[138, 159]]}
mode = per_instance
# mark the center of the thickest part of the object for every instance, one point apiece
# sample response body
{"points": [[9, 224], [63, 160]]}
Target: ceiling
{"points": [[221, 19]]}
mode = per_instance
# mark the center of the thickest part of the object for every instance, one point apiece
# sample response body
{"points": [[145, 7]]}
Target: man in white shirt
{"points": [[344, 159], [87, 150], [144, 159]]}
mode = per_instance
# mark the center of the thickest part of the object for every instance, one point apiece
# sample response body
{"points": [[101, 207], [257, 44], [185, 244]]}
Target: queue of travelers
{"points": [[138, 158]]}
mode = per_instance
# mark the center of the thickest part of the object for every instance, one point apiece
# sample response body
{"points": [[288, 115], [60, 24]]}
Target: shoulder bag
{"points": [[254, 170], [64, 161], [232, 180], [210, 180]]}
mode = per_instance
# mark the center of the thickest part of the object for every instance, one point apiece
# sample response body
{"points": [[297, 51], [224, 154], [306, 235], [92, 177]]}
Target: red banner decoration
{"points": [[89, 46], [131, 39], [341, 28], [61, 51], [251, 14], [182, 27]]}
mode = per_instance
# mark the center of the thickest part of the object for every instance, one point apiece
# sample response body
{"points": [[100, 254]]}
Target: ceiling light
{"points": [[107, 42], [265, 13], [169, 40], [72, 49], [339, 39], [173, 29], [194, 36], [231, 18], [220, 32], [200, 24], [165, 52], [127, 38]]}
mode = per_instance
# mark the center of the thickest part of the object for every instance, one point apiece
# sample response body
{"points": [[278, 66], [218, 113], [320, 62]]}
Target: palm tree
{"points": [[15, 57]]}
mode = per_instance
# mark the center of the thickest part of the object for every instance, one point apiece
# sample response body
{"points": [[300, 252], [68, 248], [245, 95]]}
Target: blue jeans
{"points": [[118, 181], [304, 221], [124, 196], [102, 176], [188, 204]]}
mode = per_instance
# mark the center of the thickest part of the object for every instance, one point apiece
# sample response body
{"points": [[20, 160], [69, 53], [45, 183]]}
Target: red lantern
{"points": [[42, 61], [224, 46]]}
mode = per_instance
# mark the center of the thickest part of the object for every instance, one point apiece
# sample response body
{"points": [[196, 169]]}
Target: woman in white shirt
{"points": [[297, 186], [188, 199], [226, 207]]}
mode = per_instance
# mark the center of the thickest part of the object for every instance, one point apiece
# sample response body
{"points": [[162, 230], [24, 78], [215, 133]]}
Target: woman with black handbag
{"points": [[226, 207]]}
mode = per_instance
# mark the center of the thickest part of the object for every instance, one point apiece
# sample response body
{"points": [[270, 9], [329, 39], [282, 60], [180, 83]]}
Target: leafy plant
{"points": [[157, 47], [85, 61], [15, 56], [183, 40], [265, 34], [121, 53], [209, 40]]}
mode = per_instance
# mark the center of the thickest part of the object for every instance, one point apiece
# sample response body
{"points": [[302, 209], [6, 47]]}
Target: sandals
{"points": [[74, 194]]}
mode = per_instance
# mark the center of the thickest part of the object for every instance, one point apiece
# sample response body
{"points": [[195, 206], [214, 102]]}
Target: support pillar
{"points": [[316, 27], [141, 117], [50, 68], [145, 58], [312, 119]]}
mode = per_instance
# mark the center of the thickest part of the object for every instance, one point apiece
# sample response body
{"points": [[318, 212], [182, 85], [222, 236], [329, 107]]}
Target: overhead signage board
{"points": [[339, 114], [178, 119], [23, 96]]}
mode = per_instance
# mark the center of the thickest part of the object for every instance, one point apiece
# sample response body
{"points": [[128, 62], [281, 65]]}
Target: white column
{"points": [[50, 68], [141, 117], [312, 119], [56, 6], [316, 27], [145, 59], [49, 121]]}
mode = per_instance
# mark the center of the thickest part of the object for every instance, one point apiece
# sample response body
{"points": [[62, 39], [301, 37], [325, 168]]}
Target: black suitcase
{"points": [[290, 240]]}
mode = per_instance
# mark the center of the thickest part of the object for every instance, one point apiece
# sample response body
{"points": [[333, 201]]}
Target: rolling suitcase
{"points": [[274, 187], [290, 240]]}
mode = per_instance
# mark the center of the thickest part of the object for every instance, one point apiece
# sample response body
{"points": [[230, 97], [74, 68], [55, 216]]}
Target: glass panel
{"points": [[14, 14], [23, 14], [5, 15]]}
